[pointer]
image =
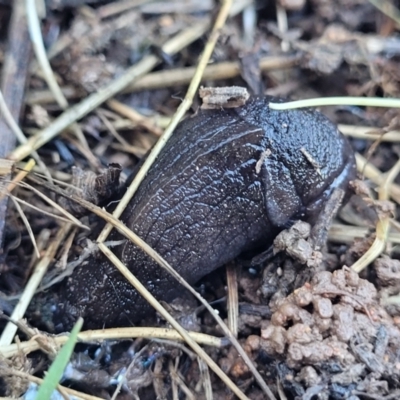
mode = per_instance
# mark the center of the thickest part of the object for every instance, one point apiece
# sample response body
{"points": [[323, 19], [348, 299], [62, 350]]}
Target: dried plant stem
{"points": [[37, 42], [118, 7], [158, 120], [6, 114], [369, 133], [346, 234], [26, 223], [6, 167], [56, 206], [382, 226], [20, 176], [39, 210], [134, 116], [41, 56], [112, 334], [34, 281], [233, 298], [376, 176], [282, 20]]}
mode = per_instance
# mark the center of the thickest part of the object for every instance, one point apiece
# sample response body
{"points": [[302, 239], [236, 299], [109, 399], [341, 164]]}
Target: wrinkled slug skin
{"points": [[227, 182]]}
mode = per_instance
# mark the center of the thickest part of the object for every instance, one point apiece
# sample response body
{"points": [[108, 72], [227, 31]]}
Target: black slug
{"points": [[227, 182]]}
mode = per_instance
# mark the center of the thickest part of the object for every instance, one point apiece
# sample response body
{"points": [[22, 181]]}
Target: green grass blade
{"points": [[56, 369], [338, 101]]}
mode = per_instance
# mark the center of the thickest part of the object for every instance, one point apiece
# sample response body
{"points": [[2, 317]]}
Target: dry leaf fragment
{"points": [[223, 97], [91, 187]]}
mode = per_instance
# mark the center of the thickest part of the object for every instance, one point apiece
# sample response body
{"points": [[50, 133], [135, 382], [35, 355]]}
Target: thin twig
{"points": [[19, 134], [387, 8], [37, 42], [282, 21], [339, 233], [233, 298], [117, 7]]}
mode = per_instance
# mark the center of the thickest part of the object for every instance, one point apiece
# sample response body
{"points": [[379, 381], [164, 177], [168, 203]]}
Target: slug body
{"points": [[227, 182]]}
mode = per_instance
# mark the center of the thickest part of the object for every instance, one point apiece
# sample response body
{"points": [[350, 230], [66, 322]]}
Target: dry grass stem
{"points": [[137, 151], [158, 120], [205, 378], [339, 233], [83, 148], [97, 336], [387, 8], [19, 177], [233, 299], [376, 176], [214, 72], [177, 381], [6, 114], [369, 133], [33, 283], [382, 226], [65, 250], [175, 77], [60, 209], [26, 223], [76, 112], [118, 7], [42, 240], [134, 116], [282, 21]]}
